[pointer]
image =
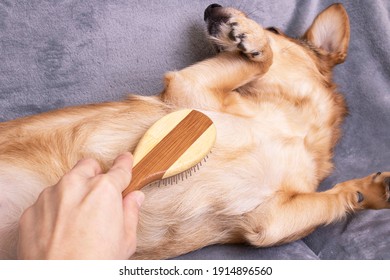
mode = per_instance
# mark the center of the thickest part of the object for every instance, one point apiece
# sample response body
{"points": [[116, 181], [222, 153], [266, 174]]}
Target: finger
{"points": [[131, 205], [86, 168], [120, 171]]}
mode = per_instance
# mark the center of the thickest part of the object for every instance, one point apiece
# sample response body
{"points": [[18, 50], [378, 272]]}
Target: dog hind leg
{"points": [[290, 216]]}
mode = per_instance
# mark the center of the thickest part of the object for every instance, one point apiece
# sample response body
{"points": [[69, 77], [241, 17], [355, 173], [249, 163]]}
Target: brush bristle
{"points": [[175, 179]]}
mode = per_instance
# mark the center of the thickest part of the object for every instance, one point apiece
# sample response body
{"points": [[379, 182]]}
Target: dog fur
{"points": [[278, 117]]}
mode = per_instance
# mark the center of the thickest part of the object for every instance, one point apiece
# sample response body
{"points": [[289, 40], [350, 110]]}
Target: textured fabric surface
{"points": [[56, 53]]}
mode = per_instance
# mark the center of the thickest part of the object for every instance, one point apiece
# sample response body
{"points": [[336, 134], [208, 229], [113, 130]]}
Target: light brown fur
{"points": [[278, 117]]}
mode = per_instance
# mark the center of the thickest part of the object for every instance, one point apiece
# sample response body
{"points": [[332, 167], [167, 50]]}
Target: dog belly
{"points": [[228, 185]]}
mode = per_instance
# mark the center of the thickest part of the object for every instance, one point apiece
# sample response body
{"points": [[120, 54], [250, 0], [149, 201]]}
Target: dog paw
{"points": [[232, 31], [371, 192], [247, 36]]}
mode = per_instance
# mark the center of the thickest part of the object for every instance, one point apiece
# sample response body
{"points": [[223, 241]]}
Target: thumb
{"points": [[131, 205]]}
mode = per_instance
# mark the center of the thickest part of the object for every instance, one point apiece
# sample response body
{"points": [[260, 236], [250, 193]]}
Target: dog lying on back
{"points": [[278, 117]]}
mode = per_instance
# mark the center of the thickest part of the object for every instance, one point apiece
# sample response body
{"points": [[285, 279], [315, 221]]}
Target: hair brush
{"points": [[175, 143]]}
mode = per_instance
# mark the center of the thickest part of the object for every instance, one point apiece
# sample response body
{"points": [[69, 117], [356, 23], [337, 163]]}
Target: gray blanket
{"points": [[56, 53]]}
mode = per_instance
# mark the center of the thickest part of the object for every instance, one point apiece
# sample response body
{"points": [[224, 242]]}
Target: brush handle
{"points": [[141, 177], [178, 150]]}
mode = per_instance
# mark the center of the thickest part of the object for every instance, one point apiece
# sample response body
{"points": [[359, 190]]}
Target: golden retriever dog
{"points": [[277, 114]]}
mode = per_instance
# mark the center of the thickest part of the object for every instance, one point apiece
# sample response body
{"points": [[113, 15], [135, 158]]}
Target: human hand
{"points": [[83, 216]]}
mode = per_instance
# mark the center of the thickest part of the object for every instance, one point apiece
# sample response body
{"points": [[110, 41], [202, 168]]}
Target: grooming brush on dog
{"points": [[172, 145]]}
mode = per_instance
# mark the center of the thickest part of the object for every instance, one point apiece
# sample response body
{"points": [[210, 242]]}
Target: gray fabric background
{"points": [[56, 53]]}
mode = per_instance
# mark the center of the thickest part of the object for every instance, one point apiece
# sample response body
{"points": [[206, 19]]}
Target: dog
{"points": [[278, 116]]}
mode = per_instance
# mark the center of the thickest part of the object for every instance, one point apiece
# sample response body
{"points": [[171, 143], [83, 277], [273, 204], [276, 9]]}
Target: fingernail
{"points": [[139, 197]]}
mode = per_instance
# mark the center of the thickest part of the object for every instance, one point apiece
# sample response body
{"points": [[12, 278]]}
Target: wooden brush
{"points": [[174, 144]]}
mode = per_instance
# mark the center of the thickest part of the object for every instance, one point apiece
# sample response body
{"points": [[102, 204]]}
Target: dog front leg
{"points": [[246, 55], [290, 216], [210, 84]]}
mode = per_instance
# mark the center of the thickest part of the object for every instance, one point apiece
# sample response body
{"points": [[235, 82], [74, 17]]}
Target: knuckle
{"points": [[88, 161], [68, 178], [105, 184], [45, 194], [67, 182], [91, 163]]}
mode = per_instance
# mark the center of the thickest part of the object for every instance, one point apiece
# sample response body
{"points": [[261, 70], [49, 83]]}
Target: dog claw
{"points": [[360, 197], [255, 54], [377, 174]]}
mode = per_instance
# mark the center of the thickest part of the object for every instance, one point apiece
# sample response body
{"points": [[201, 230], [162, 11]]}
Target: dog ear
{"points": [[330, 32]]}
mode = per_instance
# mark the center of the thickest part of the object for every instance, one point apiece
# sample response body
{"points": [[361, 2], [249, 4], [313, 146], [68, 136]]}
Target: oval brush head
{"points": [[174, 144]]}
